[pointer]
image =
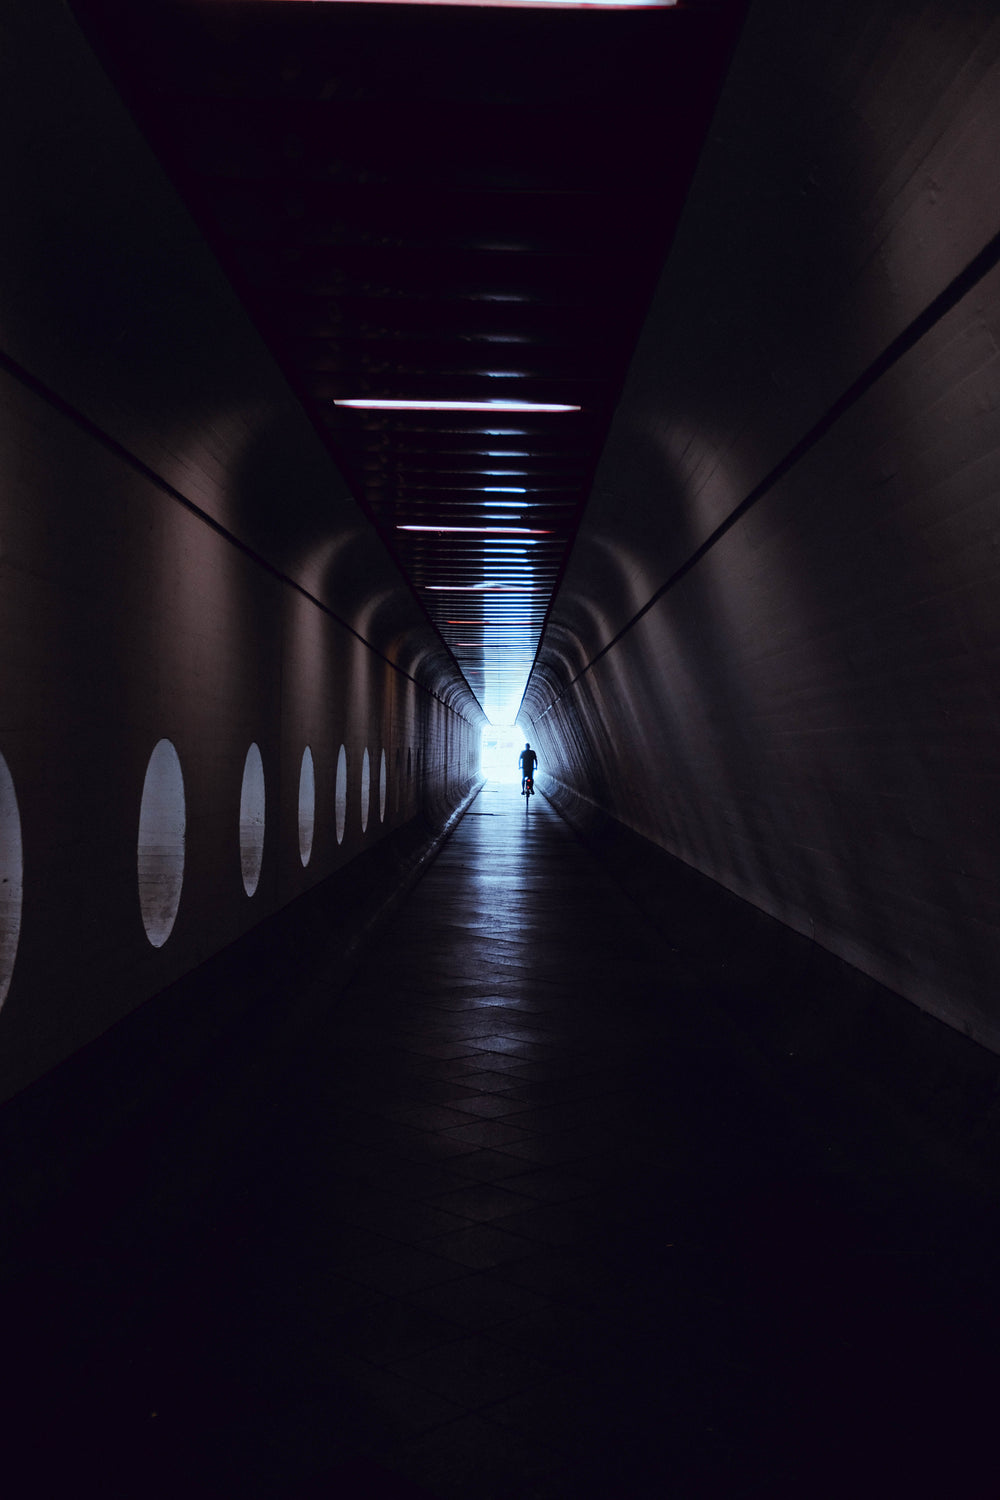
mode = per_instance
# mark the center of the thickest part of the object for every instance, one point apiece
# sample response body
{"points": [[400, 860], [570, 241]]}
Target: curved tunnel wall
{"points": [[180, 561], [775, 649]]}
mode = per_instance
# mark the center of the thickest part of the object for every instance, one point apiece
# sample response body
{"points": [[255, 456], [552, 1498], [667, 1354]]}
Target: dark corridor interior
{"points": [[501, 1218], [622, 378]]}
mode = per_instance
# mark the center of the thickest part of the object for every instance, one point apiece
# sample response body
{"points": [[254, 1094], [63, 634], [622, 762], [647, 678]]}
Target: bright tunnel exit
{"points": [[500, 749]]}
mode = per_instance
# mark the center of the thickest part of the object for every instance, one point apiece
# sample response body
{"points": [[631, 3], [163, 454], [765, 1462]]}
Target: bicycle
{"points": [[529, 791]]}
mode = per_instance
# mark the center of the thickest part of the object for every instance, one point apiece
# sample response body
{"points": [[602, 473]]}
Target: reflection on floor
{"points": [[512, 1221]]}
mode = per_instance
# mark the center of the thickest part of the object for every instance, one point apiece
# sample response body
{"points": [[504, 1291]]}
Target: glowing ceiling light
{"points": [[498, 403], [483, 588], [481, 530], [503, 489], [534, 5]]}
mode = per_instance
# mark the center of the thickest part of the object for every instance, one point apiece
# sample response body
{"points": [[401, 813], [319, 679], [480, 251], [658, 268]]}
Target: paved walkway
{"points": [[524, 1217]]}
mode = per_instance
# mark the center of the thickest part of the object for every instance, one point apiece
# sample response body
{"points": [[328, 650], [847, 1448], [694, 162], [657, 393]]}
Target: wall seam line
{"points": [[72, 413]]}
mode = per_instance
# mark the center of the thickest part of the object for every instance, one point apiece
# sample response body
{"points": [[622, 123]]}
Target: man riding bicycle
{"points": [[527, 761]]}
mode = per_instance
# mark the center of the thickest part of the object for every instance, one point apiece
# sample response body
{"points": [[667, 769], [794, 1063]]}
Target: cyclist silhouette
{"points": [[527, 761]]}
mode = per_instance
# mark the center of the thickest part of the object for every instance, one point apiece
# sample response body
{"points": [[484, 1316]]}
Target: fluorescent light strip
{"points": [[526, 4], [500, 403], [480, 530]]}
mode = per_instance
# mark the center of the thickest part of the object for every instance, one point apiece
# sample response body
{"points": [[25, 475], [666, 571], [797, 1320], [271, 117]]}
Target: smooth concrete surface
{"points": [[775, 649], [521, 1211]]}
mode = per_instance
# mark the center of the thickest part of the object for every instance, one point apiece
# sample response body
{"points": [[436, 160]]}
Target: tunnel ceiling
{"points": [[443, 204]]}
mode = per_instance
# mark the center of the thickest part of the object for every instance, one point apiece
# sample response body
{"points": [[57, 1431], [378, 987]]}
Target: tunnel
{"points": [[388, 388]]}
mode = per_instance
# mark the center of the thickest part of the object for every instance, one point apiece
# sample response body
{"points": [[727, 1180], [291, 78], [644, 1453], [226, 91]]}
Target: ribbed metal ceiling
{"points": [[444, 204]]}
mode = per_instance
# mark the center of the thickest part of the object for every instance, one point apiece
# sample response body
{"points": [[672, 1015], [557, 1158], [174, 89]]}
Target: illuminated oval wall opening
{"points": [[366, 789], [160, 858], [11, 877], [340, 794], [252, 815], [307, 806], [381, 788]]}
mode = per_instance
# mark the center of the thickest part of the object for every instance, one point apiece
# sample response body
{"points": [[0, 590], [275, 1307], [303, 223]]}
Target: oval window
{"points": [[366, 789], [340, 794], [381, 788], [252, 819], [11, 877], [307, 806], [161, 843]]}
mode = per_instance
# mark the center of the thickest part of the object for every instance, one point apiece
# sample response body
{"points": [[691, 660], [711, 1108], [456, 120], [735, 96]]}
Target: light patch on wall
{"points": [[11, 877], [381, 788], [307, 806], [340, 795], [160, 854], [252, 815], [366, 789]]}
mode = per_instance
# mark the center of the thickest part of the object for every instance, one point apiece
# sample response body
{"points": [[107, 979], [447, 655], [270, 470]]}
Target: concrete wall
{"points": [[775, 650], [179, 559]]}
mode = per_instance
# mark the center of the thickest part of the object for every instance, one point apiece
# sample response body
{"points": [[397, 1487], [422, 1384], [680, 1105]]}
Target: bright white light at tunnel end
{"points": [[502, 743]]}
